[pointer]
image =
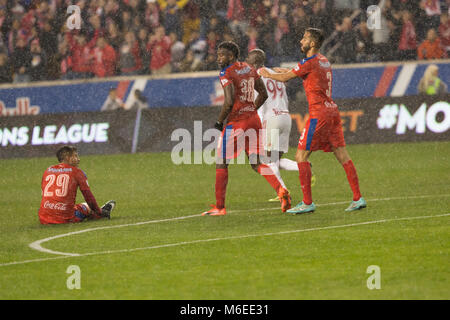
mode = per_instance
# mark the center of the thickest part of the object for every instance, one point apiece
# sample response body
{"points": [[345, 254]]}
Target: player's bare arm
{"points": [[283, 77], [281, 70], [228, 103], [262, 93]]}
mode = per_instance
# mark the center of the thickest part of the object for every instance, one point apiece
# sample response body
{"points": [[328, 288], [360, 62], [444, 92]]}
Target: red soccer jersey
{"points": [[243, 76], [317, 78], [59, 190]]}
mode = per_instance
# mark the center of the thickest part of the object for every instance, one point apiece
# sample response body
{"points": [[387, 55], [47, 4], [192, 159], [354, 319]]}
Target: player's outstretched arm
{"points": [[283, 77], [90, 200], [281, 70]]}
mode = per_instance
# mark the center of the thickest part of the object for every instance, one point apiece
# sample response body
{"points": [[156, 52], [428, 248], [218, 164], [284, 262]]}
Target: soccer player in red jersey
{"points": [[243, 127], [323, 129], [59, 190]]}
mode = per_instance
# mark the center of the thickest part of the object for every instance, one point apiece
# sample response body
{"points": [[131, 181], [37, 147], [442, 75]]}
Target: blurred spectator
{"points": [[431, 48], [407, 47], [236, 17], [430, 84], [177, 52], [364, 44], [152, 14], [210, 63], [140, 102], [432, 9], [252, 41], [191, 20], [65, 61], [130, 62], [145, 55], [5, 68], [104, 59], [444, 32], [198, 46], [381, 36], [190, 63], [346, 52], [301, 22], [171, 12], [21, 60], [159, 45], [114, 36], [113, 102], [212, 40], [82, 55], [38, 67]]}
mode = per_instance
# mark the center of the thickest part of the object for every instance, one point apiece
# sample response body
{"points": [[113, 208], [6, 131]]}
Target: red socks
{"points": [[221, 187], [304, 173], [352, 178], [271, 178]]}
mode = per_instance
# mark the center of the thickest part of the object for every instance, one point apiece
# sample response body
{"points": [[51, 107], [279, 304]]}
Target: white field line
{"points": [[37, 245], [226, 238]]}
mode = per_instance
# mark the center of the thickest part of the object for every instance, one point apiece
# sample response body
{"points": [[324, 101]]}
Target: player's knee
{"points": [[301, 156]]}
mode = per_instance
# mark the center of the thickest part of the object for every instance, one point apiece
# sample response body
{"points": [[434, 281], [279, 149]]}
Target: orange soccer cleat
{"points": [[215, 211], [285, 199]]}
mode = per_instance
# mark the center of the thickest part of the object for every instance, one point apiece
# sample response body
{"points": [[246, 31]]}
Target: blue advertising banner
{"points": [[199, 89]]}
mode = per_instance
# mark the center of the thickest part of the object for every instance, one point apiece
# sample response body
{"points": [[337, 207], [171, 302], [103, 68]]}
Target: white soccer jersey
{"points": [[277, 102]]}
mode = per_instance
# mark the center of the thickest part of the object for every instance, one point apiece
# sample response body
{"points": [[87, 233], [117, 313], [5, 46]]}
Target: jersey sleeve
{"points": [[82, 180], [225, 79], [302, 69]]}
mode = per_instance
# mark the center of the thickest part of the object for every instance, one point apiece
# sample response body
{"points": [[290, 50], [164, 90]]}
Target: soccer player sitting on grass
{"points": [[59, 190], [323, 129]]}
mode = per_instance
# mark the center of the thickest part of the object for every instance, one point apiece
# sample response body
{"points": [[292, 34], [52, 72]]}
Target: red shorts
{"points": [[80, 212], [322, 133], [241, 135]]}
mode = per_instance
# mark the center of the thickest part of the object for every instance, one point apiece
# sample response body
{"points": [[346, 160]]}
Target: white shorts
{"points": [[277, 131]]}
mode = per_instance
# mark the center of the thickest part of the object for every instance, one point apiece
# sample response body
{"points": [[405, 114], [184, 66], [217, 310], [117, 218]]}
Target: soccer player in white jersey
{"points": [[275, 119]]}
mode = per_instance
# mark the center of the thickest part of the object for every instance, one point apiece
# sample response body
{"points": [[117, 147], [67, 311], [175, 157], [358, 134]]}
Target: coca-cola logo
{"points": [[55, 206]]}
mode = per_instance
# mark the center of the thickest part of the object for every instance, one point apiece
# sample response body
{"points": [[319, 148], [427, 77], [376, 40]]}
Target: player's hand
{"points": [[218, 125], [263, 72]]}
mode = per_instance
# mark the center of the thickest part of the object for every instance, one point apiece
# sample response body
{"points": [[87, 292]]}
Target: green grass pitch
{"points": [[255, 251]]}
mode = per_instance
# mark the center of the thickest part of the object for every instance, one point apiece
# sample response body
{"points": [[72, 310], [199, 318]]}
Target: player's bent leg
{"points": [[81, 212], [272, 179]]}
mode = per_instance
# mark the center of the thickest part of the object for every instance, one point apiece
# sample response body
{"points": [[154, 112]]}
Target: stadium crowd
{"points": [[131, 37]]}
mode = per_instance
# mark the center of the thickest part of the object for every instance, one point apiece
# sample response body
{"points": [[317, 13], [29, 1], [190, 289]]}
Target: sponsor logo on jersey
{"points": [[243, 71], [324, 64], [55, 206], [224, 81], [59, 170], [246, 109]]}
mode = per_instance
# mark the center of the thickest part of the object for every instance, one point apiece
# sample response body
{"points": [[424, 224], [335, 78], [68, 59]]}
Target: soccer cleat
{"points": [[357, 205], [107, 208], [215, 211], [302, 208], [285, 199]]}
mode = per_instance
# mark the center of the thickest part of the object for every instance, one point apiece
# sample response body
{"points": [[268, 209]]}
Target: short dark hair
{"points": [[64, 152], [260, 56], [231, 46], [317, 36]]}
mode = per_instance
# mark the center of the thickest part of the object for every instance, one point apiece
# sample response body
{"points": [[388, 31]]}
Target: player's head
{"points": [[227, 53], [312, 39], [69, 155], [256, 58]]}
